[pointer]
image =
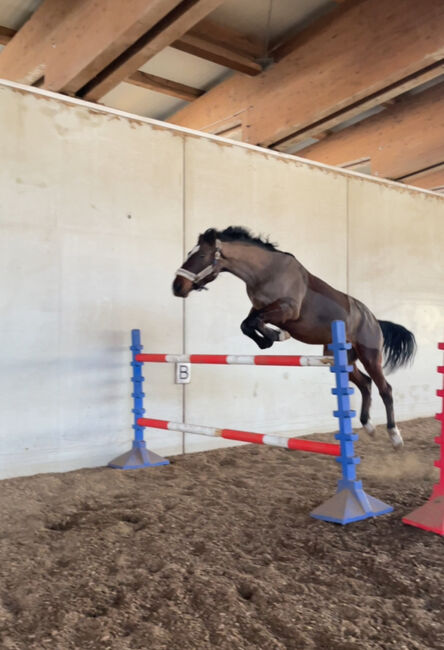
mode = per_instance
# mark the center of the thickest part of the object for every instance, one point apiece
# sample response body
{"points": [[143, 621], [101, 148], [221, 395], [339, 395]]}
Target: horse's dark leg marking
{"points": [[251, 327], [255, 325], [371, 359]]}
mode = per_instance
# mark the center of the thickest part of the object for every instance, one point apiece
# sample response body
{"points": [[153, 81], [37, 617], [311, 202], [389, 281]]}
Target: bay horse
{"points": [[288, 301]]}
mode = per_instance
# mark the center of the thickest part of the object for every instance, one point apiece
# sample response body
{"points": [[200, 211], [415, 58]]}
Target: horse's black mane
{"points": [[238, 233]]}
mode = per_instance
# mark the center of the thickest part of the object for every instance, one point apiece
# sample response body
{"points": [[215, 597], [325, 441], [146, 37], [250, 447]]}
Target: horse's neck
{"points": [[250, 263]]}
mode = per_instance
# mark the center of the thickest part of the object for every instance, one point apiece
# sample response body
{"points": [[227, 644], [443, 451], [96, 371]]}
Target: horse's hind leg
{"points": [[364, 383], [371, 359]]}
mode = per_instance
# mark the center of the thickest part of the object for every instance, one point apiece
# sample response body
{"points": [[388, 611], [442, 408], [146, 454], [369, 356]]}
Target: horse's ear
{"points": [[209, 236]]}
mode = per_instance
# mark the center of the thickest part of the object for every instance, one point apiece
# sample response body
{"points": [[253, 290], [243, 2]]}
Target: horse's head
{"points": [[202, 265]]}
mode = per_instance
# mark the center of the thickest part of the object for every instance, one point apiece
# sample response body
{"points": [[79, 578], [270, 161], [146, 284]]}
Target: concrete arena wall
{"points": [[97, 211]]}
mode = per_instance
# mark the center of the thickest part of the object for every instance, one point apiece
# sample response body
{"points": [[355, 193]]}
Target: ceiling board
{"points": [[14, 13], [185, 68], [251, 16], [170, 64], [147, 103], [173, 65]]}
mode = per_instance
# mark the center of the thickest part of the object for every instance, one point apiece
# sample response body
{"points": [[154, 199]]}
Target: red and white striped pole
{"points": [[245, 436], [238, 359]]}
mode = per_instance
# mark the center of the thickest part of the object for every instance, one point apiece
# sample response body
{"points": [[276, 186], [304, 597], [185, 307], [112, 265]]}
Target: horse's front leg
{"points": [[253, 327], [257, 324]]}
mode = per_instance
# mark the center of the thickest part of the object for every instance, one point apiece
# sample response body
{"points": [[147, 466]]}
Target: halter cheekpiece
{"points": [[197, 277]]}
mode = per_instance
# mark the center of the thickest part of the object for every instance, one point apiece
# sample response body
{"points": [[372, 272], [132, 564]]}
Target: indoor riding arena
{"points": [[222, 325]]}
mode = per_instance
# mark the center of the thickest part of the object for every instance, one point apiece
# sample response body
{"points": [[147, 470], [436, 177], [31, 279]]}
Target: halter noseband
{"points": [[195, 278]]}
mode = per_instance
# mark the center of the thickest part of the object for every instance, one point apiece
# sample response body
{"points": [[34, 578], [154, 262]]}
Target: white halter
{"points": [[197, 277]]}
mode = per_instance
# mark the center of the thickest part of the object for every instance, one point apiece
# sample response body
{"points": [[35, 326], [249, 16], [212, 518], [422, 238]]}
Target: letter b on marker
{"points": [[183, 373]]}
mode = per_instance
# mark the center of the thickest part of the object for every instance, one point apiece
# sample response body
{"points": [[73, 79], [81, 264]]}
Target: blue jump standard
{"points": [[138, 456], [351, 502]]}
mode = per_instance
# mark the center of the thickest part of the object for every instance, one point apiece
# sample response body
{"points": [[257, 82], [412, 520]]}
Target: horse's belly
{"points": [[317, 314], [309, 333]]}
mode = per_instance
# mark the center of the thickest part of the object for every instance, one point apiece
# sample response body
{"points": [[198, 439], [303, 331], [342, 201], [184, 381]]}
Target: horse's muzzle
{"points": [[182, 287]]}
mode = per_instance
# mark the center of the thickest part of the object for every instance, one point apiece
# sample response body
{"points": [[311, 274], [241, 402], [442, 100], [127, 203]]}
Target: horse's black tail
{"points": [[399, 345]]}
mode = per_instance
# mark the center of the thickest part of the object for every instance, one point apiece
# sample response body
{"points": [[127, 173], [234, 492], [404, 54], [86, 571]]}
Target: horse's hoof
{"points": [[396, 438], [284, 336], [370, 428]]}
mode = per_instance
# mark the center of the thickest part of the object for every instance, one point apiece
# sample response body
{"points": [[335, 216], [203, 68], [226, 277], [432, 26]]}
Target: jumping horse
{"points": [[288, 301]]}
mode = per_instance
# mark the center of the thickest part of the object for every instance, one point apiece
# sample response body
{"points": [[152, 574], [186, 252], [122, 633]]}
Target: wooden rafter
{"points": [[212, 32], [6, 34], [207, 40], [166, 86], [431, 178], [296, 37], [363, 53], [386, 97], [222, 45], [63, 44], [168, 30], [406, 137]]}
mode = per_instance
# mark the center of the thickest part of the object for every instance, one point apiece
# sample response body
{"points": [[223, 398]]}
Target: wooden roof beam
{"points": [[400, 140], [168, 30], [386, 97], [431, 178], [222, 45], [166, 86], [213, 32], [6, 34], [207, 40], [64, 44], [361, 54]]}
